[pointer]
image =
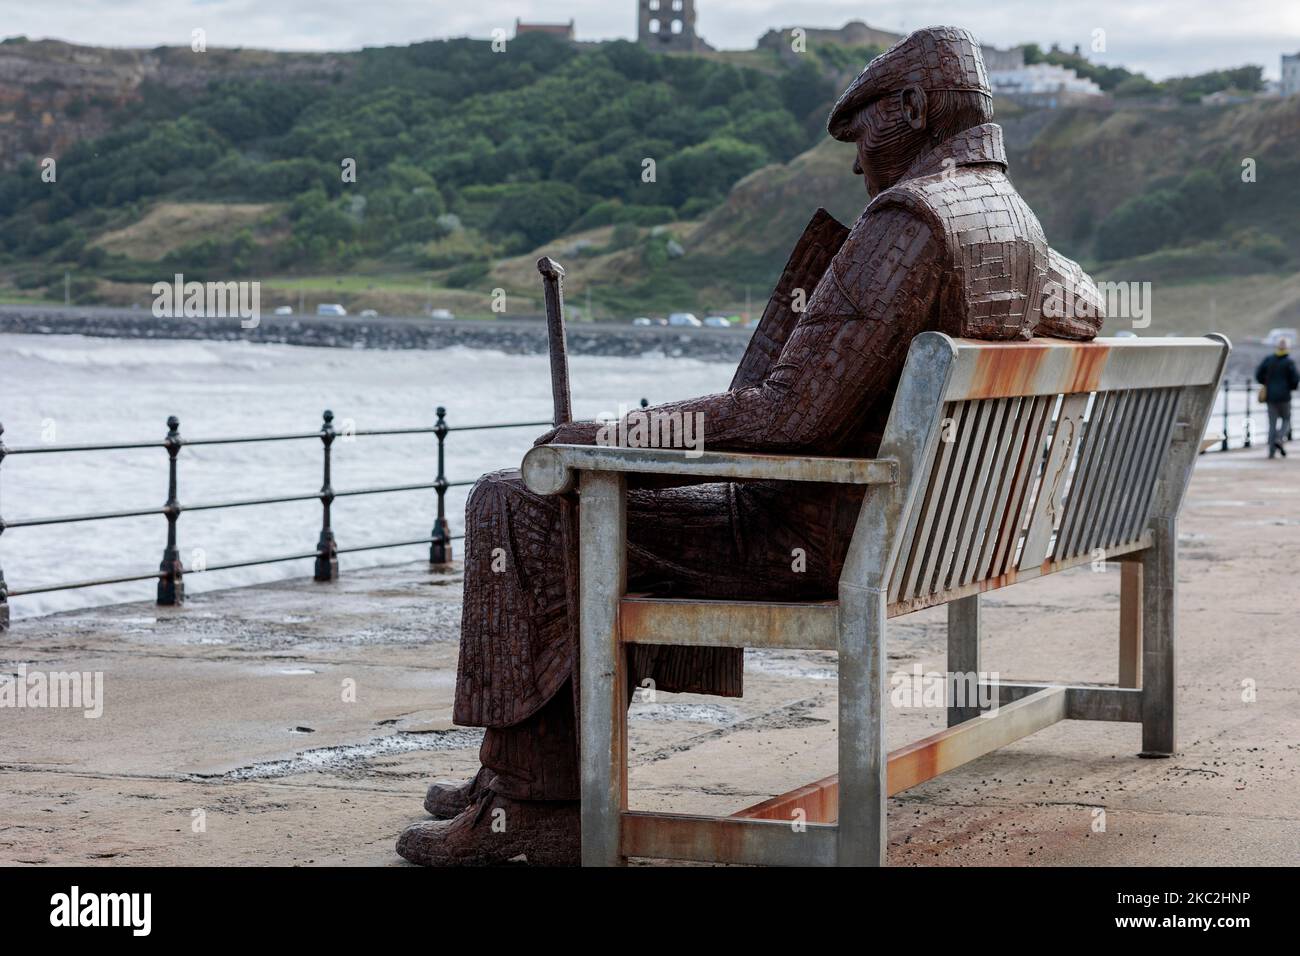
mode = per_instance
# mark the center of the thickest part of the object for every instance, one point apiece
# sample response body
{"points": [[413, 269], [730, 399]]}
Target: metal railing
{"points": [[1249, 404], [171, 572]]}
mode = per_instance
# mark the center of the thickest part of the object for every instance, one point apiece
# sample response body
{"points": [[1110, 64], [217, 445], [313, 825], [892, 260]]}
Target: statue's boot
{"points": [[447, 800], [496, 830]]}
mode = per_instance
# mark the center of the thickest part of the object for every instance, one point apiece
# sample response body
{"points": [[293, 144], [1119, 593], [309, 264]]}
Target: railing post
{"points": [[171, 586], [4, 589], [1248, 426], [327, 553], [440, 549], [1227, 393]]}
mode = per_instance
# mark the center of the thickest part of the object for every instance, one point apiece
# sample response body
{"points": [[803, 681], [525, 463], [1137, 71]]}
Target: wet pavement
{"points": [[299, 723]]}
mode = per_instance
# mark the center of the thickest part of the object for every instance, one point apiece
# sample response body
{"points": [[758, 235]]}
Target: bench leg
{"points": [[862, 832], [1130, 621], [602, 579], [1159, 583], [964, 656]]}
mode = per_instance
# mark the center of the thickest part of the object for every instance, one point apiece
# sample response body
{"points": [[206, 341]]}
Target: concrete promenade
{"points": [[300, 723]]}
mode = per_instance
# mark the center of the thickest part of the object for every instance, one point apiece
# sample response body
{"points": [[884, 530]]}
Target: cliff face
{"points": [[53, 94], [1073, 166]]}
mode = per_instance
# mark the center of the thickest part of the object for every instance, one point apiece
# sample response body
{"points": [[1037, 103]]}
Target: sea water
{"points": [[57, 389]]}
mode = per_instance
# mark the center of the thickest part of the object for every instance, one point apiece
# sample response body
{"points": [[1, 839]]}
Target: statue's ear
{"points": [[913, 101]]}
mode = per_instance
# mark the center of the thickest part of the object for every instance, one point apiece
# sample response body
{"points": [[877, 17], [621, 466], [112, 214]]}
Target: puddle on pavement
{"points": [[810, 665], [690, 713], [354, 756]]}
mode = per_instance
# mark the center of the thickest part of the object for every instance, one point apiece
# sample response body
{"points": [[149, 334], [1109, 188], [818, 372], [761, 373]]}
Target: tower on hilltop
{"points": [[668, 26]]}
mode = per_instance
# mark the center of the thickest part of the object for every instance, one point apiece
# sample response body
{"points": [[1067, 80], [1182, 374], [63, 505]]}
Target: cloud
{"points": [[1159, 37]]}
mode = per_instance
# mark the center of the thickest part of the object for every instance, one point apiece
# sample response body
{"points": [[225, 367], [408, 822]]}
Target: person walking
{"points": [[1279, 376]]}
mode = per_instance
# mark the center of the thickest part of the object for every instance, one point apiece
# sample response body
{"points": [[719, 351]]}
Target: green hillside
{"points": [[461, 154], [1137, 195], [662, 182]]}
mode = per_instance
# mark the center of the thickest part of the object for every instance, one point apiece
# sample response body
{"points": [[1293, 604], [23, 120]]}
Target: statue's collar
{"points": [[979, 144]]}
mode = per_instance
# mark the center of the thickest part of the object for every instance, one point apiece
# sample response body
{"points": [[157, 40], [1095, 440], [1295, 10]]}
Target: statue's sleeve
{"points": [[1072, 305], [846, 348]]}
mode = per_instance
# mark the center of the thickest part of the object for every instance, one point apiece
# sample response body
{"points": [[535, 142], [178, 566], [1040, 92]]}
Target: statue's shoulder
{"points": [[942, 197], [894, 215], [917, 199], [916, 196], [896, 233], [893, 219]]}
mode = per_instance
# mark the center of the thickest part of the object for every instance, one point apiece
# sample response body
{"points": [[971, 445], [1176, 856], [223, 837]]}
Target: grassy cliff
{"points": [[662, 182]]}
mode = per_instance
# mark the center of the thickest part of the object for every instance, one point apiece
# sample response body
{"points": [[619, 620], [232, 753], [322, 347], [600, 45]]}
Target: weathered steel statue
{"points": [[946, 243]]}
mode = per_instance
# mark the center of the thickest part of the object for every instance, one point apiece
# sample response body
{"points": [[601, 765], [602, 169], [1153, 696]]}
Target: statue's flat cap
{"points": [[935, 58]]}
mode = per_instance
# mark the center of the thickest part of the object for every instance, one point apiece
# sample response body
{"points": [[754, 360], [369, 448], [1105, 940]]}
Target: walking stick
{"points": [[553, 284]]}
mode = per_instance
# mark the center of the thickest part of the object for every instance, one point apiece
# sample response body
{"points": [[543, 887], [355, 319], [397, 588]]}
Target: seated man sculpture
{"points": [[945, 244]]}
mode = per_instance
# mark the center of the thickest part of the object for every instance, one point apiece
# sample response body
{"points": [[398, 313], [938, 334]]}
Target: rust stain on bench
{"points": [[1001, 372], [943, 596]]}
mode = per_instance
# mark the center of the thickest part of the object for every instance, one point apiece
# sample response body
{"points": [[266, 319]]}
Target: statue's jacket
{"points": [[952, 247]]}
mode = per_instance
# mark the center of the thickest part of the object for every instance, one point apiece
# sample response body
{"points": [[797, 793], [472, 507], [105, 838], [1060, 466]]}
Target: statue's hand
{"points": [[571, 433]]}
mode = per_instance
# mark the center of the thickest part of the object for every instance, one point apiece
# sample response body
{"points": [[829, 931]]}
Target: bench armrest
{"points": [[549, 469]]}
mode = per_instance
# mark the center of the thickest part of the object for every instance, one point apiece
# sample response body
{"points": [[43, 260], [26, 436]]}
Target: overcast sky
{"points": [[1158, 37]]}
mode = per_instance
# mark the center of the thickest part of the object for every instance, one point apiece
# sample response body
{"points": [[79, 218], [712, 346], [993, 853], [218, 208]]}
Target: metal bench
{"points": [[1001, 462]]}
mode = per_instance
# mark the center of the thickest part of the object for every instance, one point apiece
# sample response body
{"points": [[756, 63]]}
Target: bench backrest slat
{"points": [[1047, 453]]}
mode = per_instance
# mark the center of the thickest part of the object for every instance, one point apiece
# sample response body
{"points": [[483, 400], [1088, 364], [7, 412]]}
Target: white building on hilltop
{"points": [[1043, 84]]}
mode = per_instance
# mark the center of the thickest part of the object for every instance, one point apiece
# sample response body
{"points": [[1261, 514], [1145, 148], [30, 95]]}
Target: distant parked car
{"points": [[330, 308], [1126, 334], [642, 320], [684, 319], [717, 322], [284, 310], [1275, 334], [369, 313], [444, 314]]}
